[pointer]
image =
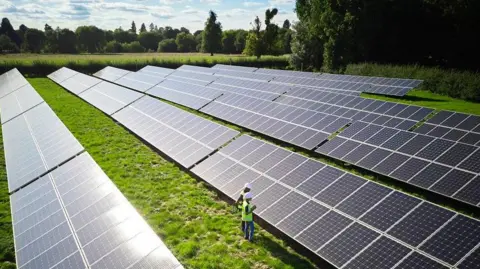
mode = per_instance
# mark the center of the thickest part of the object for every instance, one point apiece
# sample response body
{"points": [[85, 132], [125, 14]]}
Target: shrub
{"points": [[167, 45]]}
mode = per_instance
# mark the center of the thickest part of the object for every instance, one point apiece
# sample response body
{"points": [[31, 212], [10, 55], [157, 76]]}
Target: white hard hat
{"points": [[248, 185], [248, 195]]}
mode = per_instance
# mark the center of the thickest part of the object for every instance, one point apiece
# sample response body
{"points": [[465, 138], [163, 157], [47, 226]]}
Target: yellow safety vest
{"points": [[247, 214], [243, 199]]}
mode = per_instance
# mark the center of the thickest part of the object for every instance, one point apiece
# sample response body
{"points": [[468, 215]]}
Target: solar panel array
{"points": [[11, 81], [79, 83], [75, 217], [184, 137], [346, 220], [155, 70], [66, 213], [18, 102], [111, 73], [62, 74], [36, 142], [446, 167], [453, 126]]}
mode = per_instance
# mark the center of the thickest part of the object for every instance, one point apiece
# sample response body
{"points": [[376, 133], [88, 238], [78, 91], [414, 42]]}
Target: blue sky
{"points": [[111, 14]]}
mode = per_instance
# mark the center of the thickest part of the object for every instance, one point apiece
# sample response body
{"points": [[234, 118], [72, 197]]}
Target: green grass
{"points": [[432, 100], [196, 225]]}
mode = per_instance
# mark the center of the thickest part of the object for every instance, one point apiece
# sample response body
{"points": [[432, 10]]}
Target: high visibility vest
{"points": [[242, 194], [247, 214]]}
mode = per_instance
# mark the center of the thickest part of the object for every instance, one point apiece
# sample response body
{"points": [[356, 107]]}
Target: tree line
{"points": [[212, 39], [332, 34]]}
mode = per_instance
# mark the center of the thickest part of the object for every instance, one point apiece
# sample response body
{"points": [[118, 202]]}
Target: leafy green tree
{"points": [[143, 29], [228, 41], [122, 36], [212, 35], [168, 32], [167, 45], [90, 38], [271, 30], [51, 39], [34, 40], [152, 27], [184, 30], [133, 47], [307, 48], [67, 41], [149, 40], [198, 39], [109, 35], [254, 43], [185, 42], [7, 29], [133, 28], [7, 45], [113, 47], [240, 40], [286, 24]]}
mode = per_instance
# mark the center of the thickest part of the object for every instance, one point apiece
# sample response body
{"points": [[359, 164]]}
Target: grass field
{"points": [[199, 228]]}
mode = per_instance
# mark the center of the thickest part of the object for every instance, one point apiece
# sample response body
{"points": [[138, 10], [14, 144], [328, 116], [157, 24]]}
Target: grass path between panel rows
{"points": [[199, 228]]}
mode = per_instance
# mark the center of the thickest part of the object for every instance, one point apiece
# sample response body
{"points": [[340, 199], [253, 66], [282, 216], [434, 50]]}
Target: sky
{"points": [[111, 14]]}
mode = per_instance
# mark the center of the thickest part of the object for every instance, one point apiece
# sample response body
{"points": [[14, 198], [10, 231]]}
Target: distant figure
{"points": [[239, 203], [247, 216]]}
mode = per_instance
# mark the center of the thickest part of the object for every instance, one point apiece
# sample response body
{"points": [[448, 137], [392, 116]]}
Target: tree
{"points": [[133, 47], [307, 48], [7, 45], [143, 29], [67, 41], [113, 47], [169, 33], [212, 35], [286, 24], [184, 30], [240, 40], [109, 36], [124, 36], [51, 39], [228, 41], [149, 40], [254, 44], [7, 29], [198, 39], [90, 38], [152, 27], [133, 29], [185, 42], [271, 30], [34, 40], [167, 45]]}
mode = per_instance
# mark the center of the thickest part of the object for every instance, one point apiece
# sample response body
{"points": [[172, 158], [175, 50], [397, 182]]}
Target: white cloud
{"points": [[171, 2], [281, 2], [252, 4], [211, 2]]}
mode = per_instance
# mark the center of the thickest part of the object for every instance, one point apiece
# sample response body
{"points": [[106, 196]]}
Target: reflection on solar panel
{"points": [[252, 85], [389, 114], [18, 102], [75, 217], [109, 97], [326, 84], [198, 69], [294, 125], [62, 74], [243, 75], [287, 73], [36, 142], [439, 165], [186, 94], [453, 126], [345, 219], [184, 137], [192, 77], [79, 83], [139, 81], [235, 68], [111, 73], [155, 70], [11, 81]]}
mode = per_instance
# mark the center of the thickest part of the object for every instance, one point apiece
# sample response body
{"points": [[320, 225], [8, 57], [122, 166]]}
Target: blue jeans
{"points": [[248, 230]]}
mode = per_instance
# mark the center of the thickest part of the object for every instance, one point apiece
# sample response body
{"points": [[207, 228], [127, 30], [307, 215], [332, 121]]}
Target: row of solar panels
{"points": [[66, 212], [343, 218], [308, 124]]}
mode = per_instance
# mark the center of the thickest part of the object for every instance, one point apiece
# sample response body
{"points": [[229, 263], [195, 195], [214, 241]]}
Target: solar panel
{"points": [[11, 81], [243, 75], [343, 218], [186, 94], [184, 137], [156, 70], [235, 68], [197, 69], [62, 74], [139, 81], [288, 73], [79, 83], [36, 142], [201, 79], [18, 102], [75, 217], [439, 165], [109, 97], [111, 73]]}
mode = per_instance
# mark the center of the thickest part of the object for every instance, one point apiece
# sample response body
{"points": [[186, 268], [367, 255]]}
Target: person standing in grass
{"points": [[247, 188], [247, 216]]}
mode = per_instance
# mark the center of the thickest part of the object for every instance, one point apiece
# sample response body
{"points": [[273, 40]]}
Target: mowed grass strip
{"points": [[200, 229]]}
